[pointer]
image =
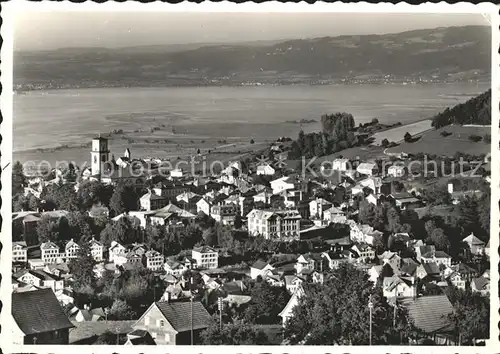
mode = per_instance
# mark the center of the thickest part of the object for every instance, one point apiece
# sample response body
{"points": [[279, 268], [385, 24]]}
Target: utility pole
{"points": [[221, 306], [191, 286], [370, 307], [394, 318]]}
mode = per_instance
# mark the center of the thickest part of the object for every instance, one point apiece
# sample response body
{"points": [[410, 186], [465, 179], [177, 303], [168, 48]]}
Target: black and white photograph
{"points": [[192, 176]]}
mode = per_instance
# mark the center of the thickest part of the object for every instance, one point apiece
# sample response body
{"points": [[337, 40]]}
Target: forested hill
{"points": [[428, 55], [477, 110]]}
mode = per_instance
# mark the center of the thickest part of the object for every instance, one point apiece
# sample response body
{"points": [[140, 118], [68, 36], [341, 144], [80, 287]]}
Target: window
{"points": [[153, 334], [167, 337]]}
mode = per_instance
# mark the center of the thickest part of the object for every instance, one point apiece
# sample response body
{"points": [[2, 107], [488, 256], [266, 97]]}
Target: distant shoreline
{"points": [[22, 91]]}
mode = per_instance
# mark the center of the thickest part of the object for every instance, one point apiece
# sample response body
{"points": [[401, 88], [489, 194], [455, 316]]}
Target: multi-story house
{"points": [[365, 251], [274, 223], [309, 263], [96, 250], [457, 280], [71, 249], [116, 251], [151, 201], [318, 206], [439, 257], [50, 252], [174, 268], [367, 168], [204, 205], [476, 245], [19, 251], [206, 257], [398, 287], [154, 260], [284, 183], [225, 213]]}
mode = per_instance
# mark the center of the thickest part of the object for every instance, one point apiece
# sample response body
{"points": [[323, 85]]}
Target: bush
{"points": [[475, 138], [444, 133], [407, 137], [385, 143], [252, 141]]}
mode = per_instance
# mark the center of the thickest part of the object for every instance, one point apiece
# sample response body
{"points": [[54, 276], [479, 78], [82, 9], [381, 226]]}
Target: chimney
{"points": [[241, 285], [167, 296], [450, 188]]}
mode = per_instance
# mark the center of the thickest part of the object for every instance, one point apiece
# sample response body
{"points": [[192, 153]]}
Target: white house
{"points": [[206, 257], [341, 165], [282, 184], [177, 173], [116, 252], [19, 251], [396, 171], [318, 206], [398, 287], [266, 170], [154, 260], [365, 251], [259, 268], [50, 252], [72, 249], [334, 215], [96, 250], [203, 205], [476, 245], [287, 312], [439, 257], [367, 168]]}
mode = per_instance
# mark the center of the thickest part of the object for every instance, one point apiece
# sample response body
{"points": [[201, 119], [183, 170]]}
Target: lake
{"points": [[45, 119]]}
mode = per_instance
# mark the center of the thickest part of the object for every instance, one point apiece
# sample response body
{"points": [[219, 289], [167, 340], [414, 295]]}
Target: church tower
{"points": [[99, 155]]}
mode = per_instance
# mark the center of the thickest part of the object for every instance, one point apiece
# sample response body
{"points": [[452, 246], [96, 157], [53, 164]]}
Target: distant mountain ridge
{"points": [[440, 54]]}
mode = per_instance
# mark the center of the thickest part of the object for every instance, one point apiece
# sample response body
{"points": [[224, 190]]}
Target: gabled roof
{"points": [[204, 249], [178, 314], [473, 240], [38, 311], [48, 245], [260, 264], [430, 313]]}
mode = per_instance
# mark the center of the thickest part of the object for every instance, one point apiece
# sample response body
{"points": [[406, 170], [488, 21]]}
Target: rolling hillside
{"points": [[442, 54]]}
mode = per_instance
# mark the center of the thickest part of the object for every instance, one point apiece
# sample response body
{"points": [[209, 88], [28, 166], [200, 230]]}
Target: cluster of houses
{"points": [[288, 208]]}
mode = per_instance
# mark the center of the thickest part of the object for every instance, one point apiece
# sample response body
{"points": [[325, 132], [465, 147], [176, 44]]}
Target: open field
{"points": [[432, 142], [397, 134]]}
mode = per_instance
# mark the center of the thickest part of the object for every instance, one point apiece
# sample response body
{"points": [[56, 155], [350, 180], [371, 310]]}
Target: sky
{"points": [[52, 30]]}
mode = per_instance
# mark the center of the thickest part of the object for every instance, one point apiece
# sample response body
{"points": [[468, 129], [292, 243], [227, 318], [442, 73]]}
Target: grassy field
{"points": [[397, 134], [432, 142]]}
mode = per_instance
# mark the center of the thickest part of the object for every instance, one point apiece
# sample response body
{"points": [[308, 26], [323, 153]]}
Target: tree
{"points": [[210, 237], [366, 212], [385, 143], [439, 239], [107, 338], [82, 267], [336, 312], [18, 178], [94, 192], [124, 198], [47, 229], [237, 221], [267, 302], [121, 231], [252, 141], [62, 195], [120, 311], [237, 333], [407, 137], [79, 227]]}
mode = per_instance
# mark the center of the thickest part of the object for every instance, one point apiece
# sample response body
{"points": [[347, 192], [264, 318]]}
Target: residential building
{"points": [[225, 213], [206, 257], [71, 249], [367, 168], [457, 280], [50, 252], [259, 268], [398, 287], [334, 215], [274, 223], [154, 260], [318, 206], [283, 183], [96, 250], [19, 251], [292, 283], [204, 205], [341, 165], [39, 319], [116, 251], [438, 257], [171, 323], [309, 262], [266, 170], [335, 258], [287, 311], [396, 171], [175, 268], [365, 252], [476, 245], [480, 285], [151, 201], [431, 315]]}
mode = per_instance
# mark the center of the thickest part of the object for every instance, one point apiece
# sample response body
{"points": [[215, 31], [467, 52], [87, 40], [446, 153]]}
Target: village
{"points": [[111, 256]]}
